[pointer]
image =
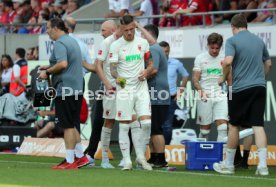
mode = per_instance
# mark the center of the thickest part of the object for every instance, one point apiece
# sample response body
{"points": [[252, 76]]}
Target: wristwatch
{"points": [[47, 72]]}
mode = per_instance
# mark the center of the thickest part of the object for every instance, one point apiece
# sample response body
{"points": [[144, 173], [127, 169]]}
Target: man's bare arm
{"points": [[226, 68], [150, 71], [89, 67], [151, 40], [100, 72], [196, 77], [113, 70], [57, 68], [267, 66]]}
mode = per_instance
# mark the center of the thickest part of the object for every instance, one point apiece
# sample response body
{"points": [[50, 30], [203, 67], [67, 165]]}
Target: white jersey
{"points": [[130, 59], [118, 5], [211, 69], [103, 55]]}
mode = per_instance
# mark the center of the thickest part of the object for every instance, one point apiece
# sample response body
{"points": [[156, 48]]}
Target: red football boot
{"points": [[65, 165], [81, 162]]}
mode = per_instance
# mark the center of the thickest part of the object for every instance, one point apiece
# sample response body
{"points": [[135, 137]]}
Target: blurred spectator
{"points": [[195, 6], [4, 15], [271, 4], [169, 7], [44, 16], [30, 53], [155, 9], [58, 10], [5, 72], [248, 4], [73, 5], [119, 8], [36, 53], [17, 6], [10, 11], [27, 11], [35, 4], [263, 15], [145, 10], [224, 6], [47, 127], [45, 3], [18, 29]]}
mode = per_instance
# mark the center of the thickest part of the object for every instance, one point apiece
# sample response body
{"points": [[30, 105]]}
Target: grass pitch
{"points": [[35, 171]]}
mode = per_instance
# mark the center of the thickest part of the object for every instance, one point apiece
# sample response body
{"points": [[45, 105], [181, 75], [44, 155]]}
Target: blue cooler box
{"points": [[202, 155]]}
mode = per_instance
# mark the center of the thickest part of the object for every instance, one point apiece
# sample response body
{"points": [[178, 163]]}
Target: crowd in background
{"points": [[6, 65], [39, 11], [34, 12]]}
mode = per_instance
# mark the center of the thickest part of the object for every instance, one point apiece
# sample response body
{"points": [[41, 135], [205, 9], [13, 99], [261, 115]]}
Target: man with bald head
{"points": [[109, 102], [107, 30]]}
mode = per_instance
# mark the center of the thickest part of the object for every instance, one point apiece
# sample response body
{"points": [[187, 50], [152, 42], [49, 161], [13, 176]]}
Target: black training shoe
{"points": [[160, 164], [241, 165]]}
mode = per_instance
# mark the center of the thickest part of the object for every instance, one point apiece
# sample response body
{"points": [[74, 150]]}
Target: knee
{"points": [[145, 124], [205, 132], [222, 127]]}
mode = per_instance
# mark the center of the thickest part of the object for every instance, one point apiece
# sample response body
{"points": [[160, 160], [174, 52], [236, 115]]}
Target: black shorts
{"points": [[68, 111], [246, 108], [158, 116]]}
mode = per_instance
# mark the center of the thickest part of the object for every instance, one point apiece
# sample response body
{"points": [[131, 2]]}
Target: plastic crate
{"points": [[202, 155]]}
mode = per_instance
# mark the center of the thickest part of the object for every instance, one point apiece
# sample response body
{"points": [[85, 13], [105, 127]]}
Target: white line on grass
{"points": [[162, 171], [216, 175], [26, 162]]}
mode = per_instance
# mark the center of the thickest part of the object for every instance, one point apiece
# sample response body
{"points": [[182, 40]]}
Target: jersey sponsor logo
{"points": [[214, 71], [100, 52], [130, 58]]}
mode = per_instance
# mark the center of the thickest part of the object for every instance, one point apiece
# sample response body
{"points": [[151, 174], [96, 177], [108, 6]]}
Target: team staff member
{"points": [[250, 65], [66, 70], [175, 69], [159, 102]]}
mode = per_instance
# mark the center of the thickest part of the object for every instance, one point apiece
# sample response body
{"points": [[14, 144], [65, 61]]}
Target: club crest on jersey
{"points": [[139, 47], [110, 55], [100, 52], [107, 112]]}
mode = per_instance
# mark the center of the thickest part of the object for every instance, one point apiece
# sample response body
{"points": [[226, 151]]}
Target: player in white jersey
{"points": [[109, 102], [212, 105], [128, 57]]}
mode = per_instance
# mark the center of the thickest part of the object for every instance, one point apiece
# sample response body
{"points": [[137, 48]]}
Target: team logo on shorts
{"points": [[119, 114], [100, 52], [107, 112], [139, 47]]}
